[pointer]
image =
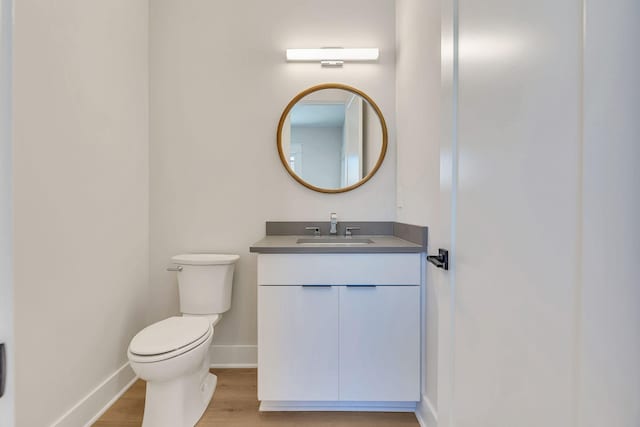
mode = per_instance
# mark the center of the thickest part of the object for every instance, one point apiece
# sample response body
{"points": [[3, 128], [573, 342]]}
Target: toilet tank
{"points": [[205, 282]]}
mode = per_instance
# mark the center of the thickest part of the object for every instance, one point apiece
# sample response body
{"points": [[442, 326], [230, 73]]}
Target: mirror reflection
{"points": [[332, 139]]}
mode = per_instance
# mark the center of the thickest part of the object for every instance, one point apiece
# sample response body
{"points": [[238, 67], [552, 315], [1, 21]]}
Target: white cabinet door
{"points": [[298, 343], [380, 343]]}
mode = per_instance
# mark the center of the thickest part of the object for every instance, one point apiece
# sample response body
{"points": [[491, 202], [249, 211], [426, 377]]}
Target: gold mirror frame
{"points": [[298, 97]]}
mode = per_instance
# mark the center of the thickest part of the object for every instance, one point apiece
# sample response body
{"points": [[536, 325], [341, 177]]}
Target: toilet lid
{"points": [[204, 259], [169, 335]]}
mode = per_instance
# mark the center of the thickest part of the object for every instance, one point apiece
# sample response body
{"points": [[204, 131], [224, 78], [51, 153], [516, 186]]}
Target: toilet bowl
{"points": [[173, 355]]}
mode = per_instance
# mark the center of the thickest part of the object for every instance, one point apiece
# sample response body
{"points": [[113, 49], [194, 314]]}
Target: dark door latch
{"points": [[441, 260]]}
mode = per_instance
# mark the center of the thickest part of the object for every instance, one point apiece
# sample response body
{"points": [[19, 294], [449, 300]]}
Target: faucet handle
{"points": [[316, 230], [348, 230]]}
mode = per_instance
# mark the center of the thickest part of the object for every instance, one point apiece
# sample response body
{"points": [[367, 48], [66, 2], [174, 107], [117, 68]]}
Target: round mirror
{"points": [[332, 138]]}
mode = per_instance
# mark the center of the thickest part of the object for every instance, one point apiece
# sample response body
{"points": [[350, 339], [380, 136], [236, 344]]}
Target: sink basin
{"points": [[337, 241]]}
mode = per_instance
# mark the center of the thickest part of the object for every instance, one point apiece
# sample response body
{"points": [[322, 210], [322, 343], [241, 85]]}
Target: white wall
{"points": [[321, 154], [219, 83], [609, 334], [6, 276], [418, 110], [418, 146], [80, 197]]}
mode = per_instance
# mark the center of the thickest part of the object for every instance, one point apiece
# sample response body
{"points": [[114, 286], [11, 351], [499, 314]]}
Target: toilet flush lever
{"points": [[178, 268]]}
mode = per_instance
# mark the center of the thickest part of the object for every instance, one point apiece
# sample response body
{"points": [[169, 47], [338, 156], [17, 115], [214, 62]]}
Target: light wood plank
{"points": [[235, 405]]}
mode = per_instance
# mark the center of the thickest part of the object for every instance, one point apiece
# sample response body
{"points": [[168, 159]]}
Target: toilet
{"points": [[173, 355]]}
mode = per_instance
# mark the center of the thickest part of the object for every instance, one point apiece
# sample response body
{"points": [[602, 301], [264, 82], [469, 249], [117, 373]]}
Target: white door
{"points": [[298, 343], [442, 233], [380, 343], [609, 342], [6, 295], [510, 184]]}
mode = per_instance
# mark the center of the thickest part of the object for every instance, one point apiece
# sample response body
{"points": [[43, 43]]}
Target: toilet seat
{"points": [[169, 338]]}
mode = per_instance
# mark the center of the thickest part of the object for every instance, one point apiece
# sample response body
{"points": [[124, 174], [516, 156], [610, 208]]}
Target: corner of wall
{"points": [[97, 401], [426, 413]]}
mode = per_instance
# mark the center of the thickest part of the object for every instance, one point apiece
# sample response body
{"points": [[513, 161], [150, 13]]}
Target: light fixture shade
{"points": [[333, 54]]}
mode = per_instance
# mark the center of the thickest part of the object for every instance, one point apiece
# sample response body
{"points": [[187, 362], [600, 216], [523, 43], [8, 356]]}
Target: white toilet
{"points": [[173, 355]]}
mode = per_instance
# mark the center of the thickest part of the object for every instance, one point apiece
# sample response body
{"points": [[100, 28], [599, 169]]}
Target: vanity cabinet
{"points": [[339, 327]]}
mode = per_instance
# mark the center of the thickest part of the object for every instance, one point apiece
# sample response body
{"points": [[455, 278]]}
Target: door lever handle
{"points": [[441, 260]]}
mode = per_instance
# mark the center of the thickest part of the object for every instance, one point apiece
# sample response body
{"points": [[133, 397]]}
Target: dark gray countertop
{"points": [[288, 245], [401, 238]]}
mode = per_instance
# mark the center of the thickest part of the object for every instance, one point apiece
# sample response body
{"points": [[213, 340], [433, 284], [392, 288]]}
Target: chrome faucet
{"points": [[334, 224]]}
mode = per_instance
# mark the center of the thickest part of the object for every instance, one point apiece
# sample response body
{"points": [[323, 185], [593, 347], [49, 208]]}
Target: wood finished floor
{"points": [[234, 404]]}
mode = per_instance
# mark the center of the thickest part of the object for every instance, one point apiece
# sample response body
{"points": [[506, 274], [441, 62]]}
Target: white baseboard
{"points": [[426, 413], [233, 356], [340, 406], [93, 405]]}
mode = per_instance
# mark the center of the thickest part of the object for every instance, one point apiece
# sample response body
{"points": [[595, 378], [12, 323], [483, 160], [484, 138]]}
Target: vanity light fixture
{"points": [[333, 56]]}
